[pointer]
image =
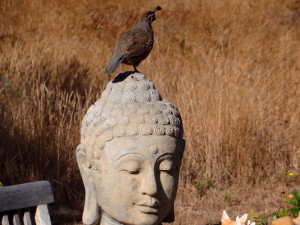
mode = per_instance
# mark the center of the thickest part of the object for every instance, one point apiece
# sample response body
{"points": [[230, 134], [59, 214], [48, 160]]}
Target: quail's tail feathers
{"points": [[114, 64]]}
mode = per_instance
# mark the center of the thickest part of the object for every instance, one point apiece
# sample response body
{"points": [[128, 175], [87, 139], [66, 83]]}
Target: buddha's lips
{"points": [[151, 206], [153, 203], [148, 209]]}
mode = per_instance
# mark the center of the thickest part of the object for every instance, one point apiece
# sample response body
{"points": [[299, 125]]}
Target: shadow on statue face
{"points": [[137, 178]]}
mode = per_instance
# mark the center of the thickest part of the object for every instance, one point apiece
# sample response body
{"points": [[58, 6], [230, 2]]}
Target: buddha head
{"points": [[130, 154]]}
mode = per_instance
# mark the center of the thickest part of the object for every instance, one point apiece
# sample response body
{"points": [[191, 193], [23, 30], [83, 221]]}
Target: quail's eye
{"points": [[151, 17]]}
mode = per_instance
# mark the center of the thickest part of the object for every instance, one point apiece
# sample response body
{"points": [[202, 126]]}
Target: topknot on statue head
{"points": [[128, 107]]}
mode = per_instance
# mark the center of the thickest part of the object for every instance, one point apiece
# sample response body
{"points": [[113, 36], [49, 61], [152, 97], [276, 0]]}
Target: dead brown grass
{"points": [[232, 68]]}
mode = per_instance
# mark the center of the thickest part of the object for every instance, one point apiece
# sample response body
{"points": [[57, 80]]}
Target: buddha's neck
{"points": [[107, 220]]}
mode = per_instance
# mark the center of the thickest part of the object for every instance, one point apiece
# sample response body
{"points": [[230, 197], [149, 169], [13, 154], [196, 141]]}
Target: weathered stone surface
{"points": [[297, 220], [283, 221], [130, 154], [287, 221]]}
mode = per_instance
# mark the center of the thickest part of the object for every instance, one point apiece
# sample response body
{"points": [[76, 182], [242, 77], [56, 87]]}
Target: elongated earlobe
{"points": [[91, 211]]}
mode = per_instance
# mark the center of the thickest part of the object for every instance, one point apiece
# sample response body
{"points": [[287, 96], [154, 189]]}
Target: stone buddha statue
{"points": [[130, 154]]}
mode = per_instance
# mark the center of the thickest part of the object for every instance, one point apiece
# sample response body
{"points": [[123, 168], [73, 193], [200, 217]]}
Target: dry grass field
{"points": [[232, 67]]}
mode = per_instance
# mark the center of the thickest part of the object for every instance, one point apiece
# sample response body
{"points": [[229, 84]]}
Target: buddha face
{"points": [[137, 178]]}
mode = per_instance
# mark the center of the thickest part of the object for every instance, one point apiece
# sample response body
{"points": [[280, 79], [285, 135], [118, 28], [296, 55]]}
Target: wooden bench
{"points": [[26, 204]]}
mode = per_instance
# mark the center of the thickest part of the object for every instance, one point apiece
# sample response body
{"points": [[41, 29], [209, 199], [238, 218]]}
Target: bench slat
{"points": [[27, 218], [42, 215], [5, 220], [16, 219], [25, 195]]}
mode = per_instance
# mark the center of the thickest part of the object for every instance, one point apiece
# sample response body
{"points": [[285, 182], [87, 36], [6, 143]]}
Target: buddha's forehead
{"points": [[146, 146]]}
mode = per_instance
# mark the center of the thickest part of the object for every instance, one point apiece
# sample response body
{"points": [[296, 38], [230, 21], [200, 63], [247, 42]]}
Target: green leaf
{"points": [[293, 209], [296, 195], [1, 185], [291, 202]]}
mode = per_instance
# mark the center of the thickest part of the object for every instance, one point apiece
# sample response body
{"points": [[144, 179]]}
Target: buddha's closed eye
{"points": [[131, 167]]}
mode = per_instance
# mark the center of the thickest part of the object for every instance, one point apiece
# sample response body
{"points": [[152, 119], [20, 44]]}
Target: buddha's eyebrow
{"points": [[131, 153]]}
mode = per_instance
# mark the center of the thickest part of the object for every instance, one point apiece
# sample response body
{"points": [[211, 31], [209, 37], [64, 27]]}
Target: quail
{"points": [[135, 45]]}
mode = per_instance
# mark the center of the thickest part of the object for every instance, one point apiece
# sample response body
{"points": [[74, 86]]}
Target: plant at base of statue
{"points": [[282, 210], [239, 221], [1, 185], [295, 203], [259, 219]]}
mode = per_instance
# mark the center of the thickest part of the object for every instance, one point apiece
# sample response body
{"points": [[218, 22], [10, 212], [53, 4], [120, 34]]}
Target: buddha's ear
{"points": [[91, 211], [82, 159]]}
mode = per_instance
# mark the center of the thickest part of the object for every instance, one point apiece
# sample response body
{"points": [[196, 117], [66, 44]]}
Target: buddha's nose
{"points": [[149, 184]]}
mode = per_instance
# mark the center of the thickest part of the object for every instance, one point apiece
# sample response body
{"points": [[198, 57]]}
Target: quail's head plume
{"points": [[150, 15], [135, 45]]}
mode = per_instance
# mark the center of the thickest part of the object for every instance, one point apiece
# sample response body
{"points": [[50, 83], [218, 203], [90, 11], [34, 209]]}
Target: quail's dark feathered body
{"points": [[135, 45]]}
